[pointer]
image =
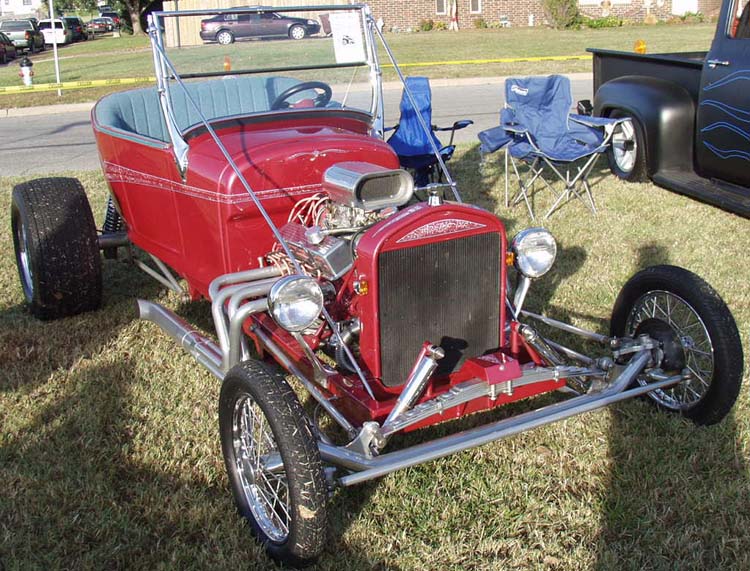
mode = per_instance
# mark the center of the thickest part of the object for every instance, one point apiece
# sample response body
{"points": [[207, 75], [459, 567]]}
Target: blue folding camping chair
{"points": [[414, 147], [537, 130]]}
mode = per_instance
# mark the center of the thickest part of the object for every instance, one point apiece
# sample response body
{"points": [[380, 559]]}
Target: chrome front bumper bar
{"points": [[361, 467]]}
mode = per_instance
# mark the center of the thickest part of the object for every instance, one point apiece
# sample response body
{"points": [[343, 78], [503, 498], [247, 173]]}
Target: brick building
{"points": [[18, 8], [404, 15]]}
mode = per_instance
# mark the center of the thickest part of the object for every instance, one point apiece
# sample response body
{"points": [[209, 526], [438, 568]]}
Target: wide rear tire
{"points": [[260, 418], [696, 332], [627, 152], [57, 250]]}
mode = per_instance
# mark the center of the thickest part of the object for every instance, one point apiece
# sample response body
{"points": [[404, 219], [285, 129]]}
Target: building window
{"points": [[440, 7], [475, 6]]}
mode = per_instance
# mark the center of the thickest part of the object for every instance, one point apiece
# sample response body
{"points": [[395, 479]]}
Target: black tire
{"points": [[297, 32], [4, 60], [225, 37], [700, 333], [628, 140], [57, 251], [254, 385]]}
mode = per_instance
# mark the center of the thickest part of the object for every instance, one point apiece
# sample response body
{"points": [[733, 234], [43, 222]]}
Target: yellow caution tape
{"points": [[133, 80], [75, 84], [496, 60]]}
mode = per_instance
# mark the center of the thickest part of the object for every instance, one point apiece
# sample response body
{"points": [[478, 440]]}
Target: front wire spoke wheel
{"points": [[696, 336], [685, 341], [253, 441], [273, 463]]}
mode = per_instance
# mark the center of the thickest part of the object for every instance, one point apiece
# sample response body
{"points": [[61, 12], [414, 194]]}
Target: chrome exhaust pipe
{"points": [[203, 349]]}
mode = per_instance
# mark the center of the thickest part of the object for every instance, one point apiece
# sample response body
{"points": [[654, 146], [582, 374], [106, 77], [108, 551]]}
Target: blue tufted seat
{"points": [[138, 111]]}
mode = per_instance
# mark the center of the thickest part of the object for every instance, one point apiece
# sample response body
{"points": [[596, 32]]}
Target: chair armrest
{"points": [[590, 121], [456, 126], [493, 139]]}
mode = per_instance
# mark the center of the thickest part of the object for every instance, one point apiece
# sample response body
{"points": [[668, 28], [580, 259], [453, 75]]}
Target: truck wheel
{"points": [[57, 251], [696, 332], [297, 32], [261, 421], [225, 38], [627, 153]]}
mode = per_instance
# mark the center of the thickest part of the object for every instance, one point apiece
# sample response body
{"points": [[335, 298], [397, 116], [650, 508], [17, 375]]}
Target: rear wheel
{"points": [[56, 247], [627, 153], [696, 333], [273, 463], [297, 32], [225, 38]]}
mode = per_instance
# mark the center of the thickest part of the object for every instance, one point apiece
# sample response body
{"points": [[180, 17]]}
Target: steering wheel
{"points": [[320, 101]]}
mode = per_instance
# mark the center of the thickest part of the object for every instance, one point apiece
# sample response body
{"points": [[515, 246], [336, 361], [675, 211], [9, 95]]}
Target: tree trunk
{"points": [[135, 21]]}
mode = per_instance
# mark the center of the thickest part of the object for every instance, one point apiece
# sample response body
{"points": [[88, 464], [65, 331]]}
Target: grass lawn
{"points": [[110, 457], [130, 56]]}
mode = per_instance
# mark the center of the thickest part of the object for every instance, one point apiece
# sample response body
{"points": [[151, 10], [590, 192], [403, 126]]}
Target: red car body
{"points": [[204, 225]]}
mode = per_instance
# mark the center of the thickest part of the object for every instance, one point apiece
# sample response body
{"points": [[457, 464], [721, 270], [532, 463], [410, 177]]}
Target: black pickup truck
{"points": [[690, 114]]}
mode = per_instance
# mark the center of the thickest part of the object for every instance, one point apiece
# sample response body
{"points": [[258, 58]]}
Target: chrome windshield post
{"points": [[376, 75], [179, 146]]}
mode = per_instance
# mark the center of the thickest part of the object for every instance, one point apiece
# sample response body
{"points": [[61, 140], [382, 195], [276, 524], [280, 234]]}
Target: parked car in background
{"points": [[101, 25], [61, 30], [226, 28], [24, 34], [77, 27], [7, 49], [114, 16]]}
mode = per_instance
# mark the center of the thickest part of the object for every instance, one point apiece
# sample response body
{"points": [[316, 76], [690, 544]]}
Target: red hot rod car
{"points": [[271, 193]]}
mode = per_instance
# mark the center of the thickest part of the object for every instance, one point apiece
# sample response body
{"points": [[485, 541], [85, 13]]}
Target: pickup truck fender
{"points": [[666, 112]]}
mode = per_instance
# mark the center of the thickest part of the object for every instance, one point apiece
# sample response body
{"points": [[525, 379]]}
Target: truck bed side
{"points": [[684, 69]]}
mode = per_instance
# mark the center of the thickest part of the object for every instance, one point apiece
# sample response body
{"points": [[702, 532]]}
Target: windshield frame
{"points": [[166, 73]]}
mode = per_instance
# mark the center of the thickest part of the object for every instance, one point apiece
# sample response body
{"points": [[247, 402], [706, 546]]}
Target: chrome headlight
{"points": [[295, 302], [534, 251]]}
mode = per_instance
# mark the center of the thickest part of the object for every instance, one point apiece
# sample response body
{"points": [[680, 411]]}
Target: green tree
{"points": [[561, 13], [136, 9]]}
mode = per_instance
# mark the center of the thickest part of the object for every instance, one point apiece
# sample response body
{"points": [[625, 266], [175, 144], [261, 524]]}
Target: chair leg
{"points": [[524, 186], [506, 176], [571, 186]]}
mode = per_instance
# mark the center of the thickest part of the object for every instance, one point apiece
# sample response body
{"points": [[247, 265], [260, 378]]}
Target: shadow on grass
{"points": [[667, 474], [677, 495], [84, 490], [33, 349]]}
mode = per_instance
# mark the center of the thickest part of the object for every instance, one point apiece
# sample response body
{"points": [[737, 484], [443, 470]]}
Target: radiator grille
{"points": [[446, 292]]}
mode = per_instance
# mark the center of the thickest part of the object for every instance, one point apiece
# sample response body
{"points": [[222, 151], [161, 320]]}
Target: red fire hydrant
{"points": [[26, 72]]}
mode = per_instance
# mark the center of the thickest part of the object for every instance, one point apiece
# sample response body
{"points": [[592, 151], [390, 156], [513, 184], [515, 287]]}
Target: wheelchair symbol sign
{"points": [[348, 41]]}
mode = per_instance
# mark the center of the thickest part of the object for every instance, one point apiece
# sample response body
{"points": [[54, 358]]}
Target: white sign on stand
{"points": [[348, 41]]}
